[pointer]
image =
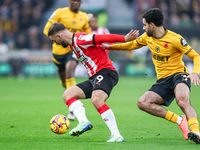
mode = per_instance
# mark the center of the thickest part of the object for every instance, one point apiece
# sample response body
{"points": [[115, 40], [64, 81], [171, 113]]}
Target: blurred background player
{"points": [[75, 21], [95, 29]]}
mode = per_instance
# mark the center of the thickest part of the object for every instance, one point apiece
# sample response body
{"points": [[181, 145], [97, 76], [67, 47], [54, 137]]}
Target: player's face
{"points": [[74, 5], [147, 28], [57, 39], [93, 23]]}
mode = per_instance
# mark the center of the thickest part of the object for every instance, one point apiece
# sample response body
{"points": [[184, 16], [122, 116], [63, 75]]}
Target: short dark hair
{"points": [[56, 27], [154, 15]]}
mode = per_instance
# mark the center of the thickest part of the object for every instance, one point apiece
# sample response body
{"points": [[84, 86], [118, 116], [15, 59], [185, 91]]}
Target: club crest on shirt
{"points": [[74, 22], [183, 42], [157, 49]]}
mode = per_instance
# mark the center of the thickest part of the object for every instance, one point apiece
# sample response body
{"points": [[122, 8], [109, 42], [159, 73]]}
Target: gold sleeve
{"points": [[87, 30], [46, 28], [181, 44], [196, 60], [126, 46], [86, 27], [53, 18]]}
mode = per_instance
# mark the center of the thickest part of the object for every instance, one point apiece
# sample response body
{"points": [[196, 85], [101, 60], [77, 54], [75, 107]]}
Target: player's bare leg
{"points": [[151, 101], [98, 100], [182, 93]]}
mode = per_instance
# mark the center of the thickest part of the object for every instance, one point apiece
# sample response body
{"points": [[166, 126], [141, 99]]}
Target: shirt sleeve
{"points": [[98, 39], [86, 27], [55, 17], [132, 45], [181, 44]]}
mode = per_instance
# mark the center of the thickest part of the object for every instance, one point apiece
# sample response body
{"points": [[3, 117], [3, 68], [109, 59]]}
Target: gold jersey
{"points": [[74, 22], [167, 52]]}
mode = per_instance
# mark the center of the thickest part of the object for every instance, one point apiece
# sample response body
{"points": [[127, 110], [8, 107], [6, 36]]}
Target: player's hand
{"points": [[194, 78], [132, 35], [105, 46]]}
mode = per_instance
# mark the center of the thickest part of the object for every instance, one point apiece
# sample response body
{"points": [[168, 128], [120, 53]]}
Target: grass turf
{"points": [[28, 104]]}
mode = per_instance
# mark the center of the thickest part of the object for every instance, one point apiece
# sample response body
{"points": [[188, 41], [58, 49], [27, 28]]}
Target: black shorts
{"points": [[165, 87], [61, 60], [104, 80]]}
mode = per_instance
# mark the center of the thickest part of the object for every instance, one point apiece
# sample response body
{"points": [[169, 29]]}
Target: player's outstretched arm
{"points": [[132, 35]]}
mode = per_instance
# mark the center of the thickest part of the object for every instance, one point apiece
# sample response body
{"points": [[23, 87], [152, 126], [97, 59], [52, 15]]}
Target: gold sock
{"points": [[171, 116], [193, 124], [70, 82]]}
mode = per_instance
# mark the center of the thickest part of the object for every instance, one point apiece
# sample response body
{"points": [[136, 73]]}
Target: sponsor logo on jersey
{"points": [[82, 58], [166, 45], [74, 30], [157, 49], [183, 42], [161, 58]]}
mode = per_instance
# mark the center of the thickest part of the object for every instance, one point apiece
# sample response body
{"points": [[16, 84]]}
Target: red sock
{"points": [[103, 108], [70, 101]]}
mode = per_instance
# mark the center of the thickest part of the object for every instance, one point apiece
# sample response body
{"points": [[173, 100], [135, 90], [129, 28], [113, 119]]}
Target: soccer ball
{"points": [[59, 124]]}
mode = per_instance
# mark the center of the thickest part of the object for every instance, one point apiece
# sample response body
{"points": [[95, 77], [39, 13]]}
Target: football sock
{"points": [[172, 116], [193, 124], [63, 83], [179, 120], [70, 82], [109, 118], [77, 107]]}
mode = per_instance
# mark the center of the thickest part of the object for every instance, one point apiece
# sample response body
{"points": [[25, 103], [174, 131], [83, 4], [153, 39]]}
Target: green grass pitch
{"points": [[27, 105]]}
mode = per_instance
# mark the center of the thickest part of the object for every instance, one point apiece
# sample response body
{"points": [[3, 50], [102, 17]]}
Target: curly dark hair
{"points": [[55, 27], [154, 15]]}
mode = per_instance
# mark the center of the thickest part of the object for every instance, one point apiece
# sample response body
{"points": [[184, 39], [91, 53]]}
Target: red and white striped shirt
{"points": [[88, 51], [100, 30]]}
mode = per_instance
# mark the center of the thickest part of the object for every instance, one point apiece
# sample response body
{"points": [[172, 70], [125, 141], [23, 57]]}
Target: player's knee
{"points": [[66, 96], [182, 101], [97, 102], [141, 104]]}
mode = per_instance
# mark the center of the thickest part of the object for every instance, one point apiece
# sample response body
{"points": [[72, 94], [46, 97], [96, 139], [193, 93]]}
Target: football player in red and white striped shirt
{"points": [[93, 23], [102, 76], [95, 29]]}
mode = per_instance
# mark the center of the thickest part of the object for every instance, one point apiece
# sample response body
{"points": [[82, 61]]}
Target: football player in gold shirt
{"points": [[75, 21], [167, 50]]}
